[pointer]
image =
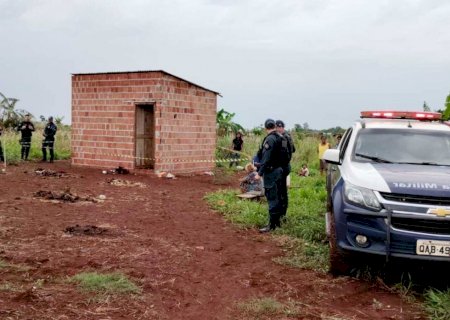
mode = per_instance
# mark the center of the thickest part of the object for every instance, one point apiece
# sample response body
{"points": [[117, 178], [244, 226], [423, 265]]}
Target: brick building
{"points": [[142, 119]]}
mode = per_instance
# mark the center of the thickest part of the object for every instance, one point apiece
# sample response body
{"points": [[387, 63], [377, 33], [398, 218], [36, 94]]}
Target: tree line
{"points": [[11, 116]]}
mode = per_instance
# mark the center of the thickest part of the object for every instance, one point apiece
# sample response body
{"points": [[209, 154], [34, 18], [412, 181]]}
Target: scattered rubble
{"points": [[126, 183], [118, 170], [64, 196], [166, 175], [50, 173]]}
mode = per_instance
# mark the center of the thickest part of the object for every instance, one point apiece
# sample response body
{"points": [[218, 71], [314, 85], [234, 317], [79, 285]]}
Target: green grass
{"points": [[9, 287], [304, 254], [108, 283], [15, 267], [437, 304], [3, 264], [11, 146], [268, 308]]}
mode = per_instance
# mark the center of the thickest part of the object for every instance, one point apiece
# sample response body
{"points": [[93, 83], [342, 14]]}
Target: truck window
{"points": [[403, 146], [344, 143]]}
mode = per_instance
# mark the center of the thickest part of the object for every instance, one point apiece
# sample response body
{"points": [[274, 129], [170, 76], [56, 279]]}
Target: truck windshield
{"points": [[403, 146]]}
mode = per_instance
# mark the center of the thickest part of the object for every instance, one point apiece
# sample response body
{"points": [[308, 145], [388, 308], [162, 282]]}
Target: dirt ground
{"points": [[189, 262]]}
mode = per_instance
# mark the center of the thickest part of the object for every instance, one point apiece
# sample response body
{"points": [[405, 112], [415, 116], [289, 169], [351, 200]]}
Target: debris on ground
{"points": [[118, 170], [208, 173], [121, 170], [64, 196], [27, 295], [87, 230], [161, 174], [126, 183], [166, 175], [50, 173]]}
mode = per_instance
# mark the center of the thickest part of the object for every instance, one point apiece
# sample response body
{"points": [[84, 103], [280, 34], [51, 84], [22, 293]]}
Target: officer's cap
{"points": [[269, 124], [50, 118], [279, 124]]}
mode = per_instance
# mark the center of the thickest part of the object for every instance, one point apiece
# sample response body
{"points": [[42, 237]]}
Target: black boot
{"points": [[265, 229], [270, 227], [44, 154], [27, 153]]}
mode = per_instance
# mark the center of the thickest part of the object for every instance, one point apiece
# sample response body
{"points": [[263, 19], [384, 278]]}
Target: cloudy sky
{"points": [[315, 61]]}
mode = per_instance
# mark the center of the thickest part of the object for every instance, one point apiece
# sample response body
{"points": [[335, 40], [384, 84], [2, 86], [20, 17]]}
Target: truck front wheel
{"points": [[340, 262]]}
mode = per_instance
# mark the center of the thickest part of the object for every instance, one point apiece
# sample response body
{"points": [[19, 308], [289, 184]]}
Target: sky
{"points": [[314, 61]]}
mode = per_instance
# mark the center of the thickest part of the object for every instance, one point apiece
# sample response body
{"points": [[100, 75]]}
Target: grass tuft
{"points": [[111, 283], [9, 287], [437, 304], [15, 267], [303, 254], [266, 308]]}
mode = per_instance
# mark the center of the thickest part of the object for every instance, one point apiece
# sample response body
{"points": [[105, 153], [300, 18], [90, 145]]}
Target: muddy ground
{"points": [[189, 262]]}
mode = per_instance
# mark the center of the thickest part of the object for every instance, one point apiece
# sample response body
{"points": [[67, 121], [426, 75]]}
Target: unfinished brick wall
{"points": [[103, 120]]}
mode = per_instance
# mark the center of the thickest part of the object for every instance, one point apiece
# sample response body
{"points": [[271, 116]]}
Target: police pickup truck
{"points": [[389, 189]]}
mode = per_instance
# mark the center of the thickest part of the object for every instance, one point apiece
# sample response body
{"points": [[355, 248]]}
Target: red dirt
{"points": [[189, 262]]}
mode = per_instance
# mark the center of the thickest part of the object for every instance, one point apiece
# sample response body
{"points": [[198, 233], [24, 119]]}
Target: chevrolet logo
{"points": [[440, 212]]}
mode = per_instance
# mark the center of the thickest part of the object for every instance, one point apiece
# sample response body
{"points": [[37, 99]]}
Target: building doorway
{"points": [[145, 136]]}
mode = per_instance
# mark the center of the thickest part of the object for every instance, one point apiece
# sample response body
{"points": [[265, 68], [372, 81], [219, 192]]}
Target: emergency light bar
{"points": [[402, 115]]}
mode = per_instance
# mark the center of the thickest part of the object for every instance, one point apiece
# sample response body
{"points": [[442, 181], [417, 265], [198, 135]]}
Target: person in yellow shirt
{"points": [[323, 146]]}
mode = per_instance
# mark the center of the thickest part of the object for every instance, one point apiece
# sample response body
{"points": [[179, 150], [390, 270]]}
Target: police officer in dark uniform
{"points": [[288, 148], [49, 140], [271, 171], [26, 128]]}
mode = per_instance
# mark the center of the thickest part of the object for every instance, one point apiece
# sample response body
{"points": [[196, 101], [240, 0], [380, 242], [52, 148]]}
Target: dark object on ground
{"points": [[65, 196], [87, 230], [50, 173], [121, 170]]}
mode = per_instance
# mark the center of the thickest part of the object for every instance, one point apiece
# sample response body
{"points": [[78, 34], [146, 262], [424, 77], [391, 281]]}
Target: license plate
{"points": [[433, 248]]}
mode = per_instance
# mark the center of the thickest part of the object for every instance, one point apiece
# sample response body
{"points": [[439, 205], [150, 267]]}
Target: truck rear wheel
{"points": [[340, 262]]}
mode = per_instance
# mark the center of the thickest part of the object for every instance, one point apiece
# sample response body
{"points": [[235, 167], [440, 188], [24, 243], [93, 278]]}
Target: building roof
{"points": [[146, 71]]}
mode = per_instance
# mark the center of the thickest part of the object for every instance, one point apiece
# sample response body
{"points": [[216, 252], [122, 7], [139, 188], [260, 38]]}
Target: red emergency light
{"points": [[414, 115]]}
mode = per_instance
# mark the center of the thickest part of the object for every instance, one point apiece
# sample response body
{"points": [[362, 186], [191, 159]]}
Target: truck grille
{"points": [[422, 225], [410, 198]]}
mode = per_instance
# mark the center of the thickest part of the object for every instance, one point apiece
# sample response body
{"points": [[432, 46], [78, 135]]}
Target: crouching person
{"points": [[249, 183]]}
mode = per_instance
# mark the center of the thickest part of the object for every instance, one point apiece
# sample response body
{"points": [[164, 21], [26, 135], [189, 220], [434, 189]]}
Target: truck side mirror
{"points": [[332, 156]]}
